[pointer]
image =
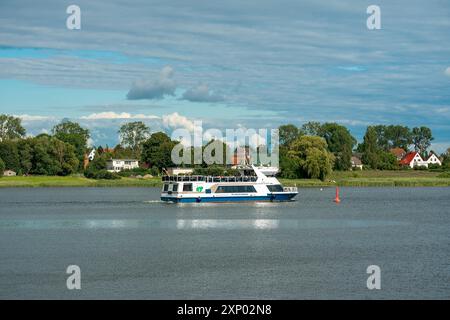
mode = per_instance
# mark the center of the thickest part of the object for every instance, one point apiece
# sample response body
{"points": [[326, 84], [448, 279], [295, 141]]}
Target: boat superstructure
{"points": [[256, 187]]}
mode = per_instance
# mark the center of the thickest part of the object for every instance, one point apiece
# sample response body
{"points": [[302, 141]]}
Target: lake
{"points": [[130, 245]]}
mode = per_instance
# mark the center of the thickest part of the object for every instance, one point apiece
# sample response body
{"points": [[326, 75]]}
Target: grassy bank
{"points": [[410, 178], [75, 181], [372, 178]]}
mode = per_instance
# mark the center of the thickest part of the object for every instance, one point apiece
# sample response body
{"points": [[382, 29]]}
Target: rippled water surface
{"points": [[130, 245]]}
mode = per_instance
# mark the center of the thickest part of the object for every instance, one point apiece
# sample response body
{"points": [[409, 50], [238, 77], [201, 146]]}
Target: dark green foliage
{"points": [[74, 134], [2, 167], [421, 138], [387, 161], [156, 151], [100, 174], [340, 142], [9, 153], [287, 134]]}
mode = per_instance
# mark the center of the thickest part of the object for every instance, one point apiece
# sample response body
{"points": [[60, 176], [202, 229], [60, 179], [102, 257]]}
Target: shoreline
{"points": [[386, 179]]}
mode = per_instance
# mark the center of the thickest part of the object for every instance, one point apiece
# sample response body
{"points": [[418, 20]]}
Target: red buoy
{"points": [[337, 199]]}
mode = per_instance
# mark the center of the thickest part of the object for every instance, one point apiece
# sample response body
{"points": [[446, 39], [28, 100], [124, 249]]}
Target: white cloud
{"points": [[176, 121], [113, 115], [27, 117]]}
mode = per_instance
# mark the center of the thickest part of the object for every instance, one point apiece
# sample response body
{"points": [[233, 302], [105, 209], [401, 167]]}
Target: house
{"points": [[116, 165], [356, 163], [9, 173], [433, 159], [399, 153], [177, 171], [413, 159]]}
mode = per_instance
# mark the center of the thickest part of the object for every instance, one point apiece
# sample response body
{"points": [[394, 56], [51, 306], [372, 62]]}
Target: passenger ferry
{"points": [[257, 187]]}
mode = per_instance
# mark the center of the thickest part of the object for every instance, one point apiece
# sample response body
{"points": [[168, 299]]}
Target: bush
{"points": [[101, 174], [134, 172]]}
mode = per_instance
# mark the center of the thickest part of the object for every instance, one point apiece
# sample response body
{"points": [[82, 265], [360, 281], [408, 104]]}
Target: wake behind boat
{"points": [[257, 187]]}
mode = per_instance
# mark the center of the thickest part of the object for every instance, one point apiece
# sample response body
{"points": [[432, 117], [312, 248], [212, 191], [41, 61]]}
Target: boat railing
{"points": [[290, 189], [210, 178]]}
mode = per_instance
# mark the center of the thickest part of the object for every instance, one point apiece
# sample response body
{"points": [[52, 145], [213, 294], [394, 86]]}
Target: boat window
{"points": [[187, 187], [166, 187], [275, 188], [175, 187], [235, 189]]}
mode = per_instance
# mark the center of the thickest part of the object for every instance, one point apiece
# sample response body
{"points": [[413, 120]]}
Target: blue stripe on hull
{"points": [[275, 197]]}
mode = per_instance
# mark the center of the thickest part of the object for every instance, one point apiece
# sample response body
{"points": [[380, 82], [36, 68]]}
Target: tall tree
{"points": [[340, 142], [156, 150], [421, 138], [10, 155], [2, 167], [312, 157], [370, 148], [398, 136], [10, 127], [287, 134], [133, 135], [74, 134]]}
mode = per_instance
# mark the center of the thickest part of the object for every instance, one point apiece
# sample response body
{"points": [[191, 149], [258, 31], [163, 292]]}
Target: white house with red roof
{"points": [[413, 159]]}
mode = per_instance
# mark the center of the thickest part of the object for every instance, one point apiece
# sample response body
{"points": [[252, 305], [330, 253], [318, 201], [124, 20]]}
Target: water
{"points": [[130, 245]]}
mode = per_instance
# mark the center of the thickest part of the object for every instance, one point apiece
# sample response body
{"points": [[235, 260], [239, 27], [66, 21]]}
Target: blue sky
{"points": [[228, 63]]}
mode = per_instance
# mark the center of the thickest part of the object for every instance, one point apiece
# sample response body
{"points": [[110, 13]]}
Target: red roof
{"points": [[408, 158], [398, 152]]}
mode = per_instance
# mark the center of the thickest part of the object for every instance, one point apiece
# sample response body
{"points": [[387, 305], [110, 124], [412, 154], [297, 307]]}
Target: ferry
{"points": [[254, 187]]}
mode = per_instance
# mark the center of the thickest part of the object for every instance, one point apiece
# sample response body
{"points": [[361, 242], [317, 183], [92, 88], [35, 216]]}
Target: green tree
{"points": [[74, 134], [133, 135], [387, 161], [398, 136], [340, 142], [288, 133], [421, 138], [25, 150], [370, 148], [52, 156], [312, 156], [10, 127], [156, 150], [2, 167], [446, 159], [10, 155], [311, 128]]}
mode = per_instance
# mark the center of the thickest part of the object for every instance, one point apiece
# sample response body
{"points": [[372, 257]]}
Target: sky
{"points": [[231, 64]]}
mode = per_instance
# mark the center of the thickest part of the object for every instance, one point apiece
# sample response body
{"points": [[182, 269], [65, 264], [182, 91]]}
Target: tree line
{"points": [[310, 151]]}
